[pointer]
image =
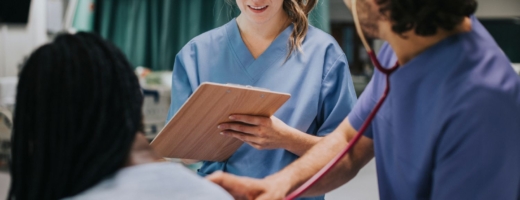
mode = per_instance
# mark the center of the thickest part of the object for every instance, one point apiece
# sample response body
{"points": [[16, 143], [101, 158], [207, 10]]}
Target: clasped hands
{"points": [[243, 188]]}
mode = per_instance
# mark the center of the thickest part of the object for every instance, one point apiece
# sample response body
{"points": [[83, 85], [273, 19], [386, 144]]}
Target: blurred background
{"points": [[151, 32]]}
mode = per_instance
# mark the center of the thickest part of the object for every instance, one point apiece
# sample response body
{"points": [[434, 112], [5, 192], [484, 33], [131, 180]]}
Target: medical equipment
{"points": [[7, 101], [387, 72], [6, 121], [156, 87], [155, 109]]}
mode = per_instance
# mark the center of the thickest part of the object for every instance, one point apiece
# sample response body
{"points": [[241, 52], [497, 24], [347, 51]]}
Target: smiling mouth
{"points": [[257, 8]]}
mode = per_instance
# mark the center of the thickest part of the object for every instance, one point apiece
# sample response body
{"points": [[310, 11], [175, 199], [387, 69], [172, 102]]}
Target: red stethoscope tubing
{"points": [[303, 188]]}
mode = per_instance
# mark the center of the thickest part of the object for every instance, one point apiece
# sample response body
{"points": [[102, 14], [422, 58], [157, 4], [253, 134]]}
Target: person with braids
{"points": [[450, 125], [269, 45], [77, 130]]}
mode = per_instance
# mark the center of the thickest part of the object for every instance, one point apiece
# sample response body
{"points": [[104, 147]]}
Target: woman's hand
{"points": [[259, 132]]}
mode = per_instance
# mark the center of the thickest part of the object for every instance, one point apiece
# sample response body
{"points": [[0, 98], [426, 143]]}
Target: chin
{"points": [[258, 20], [371, 35]]}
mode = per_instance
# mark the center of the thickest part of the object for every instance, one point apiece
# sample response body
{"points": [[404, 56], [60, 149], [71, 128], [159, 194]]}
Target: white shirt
{"points": [[154, 181]]}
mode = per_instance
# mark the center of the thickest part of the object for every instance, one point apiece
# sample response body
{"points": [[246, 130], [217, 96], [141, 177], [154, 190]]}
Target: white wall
{"points": [[486, 9], [339, 11], [498, 8], [18, 41]]}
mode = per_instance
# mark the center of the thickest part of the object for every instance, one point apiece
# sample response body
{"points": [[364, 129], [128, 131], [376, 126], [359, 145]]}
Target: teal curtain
{"points": [[320, 17], [84, 18], [151, 32]]}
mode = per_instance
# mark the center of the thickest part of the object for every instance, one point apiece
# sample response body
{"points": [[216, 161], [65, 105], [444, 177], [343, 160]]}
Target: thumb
{"points": [[230, 183], [225, 180], [217, 177]]}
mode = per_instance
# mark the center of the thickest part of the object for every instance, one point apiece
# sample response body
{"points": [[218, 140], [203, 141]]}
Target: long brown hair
{"points": [[298, 11]]}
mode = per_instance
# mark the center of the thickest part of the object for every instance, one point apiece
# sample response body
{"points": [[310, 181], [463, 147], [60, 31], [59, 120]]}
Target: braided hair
{"points": [[78, 109]]}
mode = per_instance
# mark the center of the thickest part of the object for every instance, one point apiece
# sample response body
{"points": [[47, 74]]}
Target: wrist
{"points": [[281, 183], [290, 138]]}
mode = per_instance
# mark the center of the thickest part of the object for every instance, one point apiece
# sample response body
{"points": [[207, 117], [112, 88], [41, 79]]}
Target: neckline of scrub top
{"points": [[432, 57], [255, 68]]}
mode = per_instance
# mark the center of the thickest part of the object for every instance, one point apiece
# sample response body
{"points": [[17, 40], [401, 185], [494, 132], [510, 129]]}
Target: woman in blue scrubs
{"points": [[270, 45]]}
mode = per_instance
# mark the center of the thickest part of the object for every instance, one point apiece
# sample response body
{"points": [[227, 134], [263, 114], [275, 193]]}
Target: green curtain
{"points": [[151, 32], [84, 17], [320, 17]]}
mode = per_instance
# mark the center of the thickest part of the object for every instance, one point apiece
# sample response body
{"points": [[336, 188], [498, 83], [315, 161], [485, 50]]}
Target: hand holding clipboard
{"points": [[192, 133]]}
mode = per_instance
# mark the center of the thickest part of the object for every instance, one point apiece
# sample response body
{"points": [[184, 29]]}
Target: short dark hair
{"points": [[78, 110], [425, 16]]}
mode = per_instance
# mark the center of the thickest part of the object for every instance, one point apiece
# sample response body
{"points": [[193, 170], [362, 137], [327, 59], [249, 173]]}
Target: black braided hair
{"points": [[78, 109], [426, 15]]}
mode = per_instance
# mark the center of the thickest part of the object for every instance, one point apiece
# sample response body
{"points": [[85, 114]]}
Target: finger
{"points": [[230, 183], [216, 177], [238, 187], [221, 178], [249, 119], [241, 136], [256, 146], [241, 127]]}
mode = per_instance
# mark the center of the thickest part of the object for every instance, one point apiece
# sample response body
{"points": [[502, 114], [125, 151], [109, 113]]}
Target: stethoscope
{"points": [[387, 72]]}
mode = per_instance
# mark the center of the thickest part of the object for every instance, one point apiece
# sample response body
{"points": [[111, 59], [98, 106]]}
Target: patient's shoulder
{"points": [[154, 181]]}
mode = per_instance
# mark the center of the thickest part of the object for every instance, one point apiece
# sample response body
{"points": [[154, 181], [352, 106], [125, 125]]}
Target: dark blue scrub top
{"points": [[450, 128]]}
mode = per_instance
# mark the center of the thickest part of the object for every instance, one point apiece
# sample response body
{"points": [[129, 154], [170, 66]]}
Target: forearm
{"points": [[299, 142], [318, 156], [304, 168], [344, 171]]}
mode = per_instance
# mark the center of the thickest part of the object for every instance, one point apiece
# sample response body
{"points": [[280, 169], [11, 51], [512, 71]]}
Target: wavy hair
{"points": [[298, 11]]}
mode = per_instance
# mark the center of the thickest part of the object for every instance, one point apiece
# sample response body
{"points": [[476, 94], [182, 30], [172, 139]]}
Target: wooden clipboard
{"points": [[192, 133]]}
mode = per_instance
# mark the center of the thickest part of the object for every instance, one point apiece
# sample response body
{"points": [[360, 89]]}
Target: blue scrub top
{"points": [[450, 128], [319, 81]]}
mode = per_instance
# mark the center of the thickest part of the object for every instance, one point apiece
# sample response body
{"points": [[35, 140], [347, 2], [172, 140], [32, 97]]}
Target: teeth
{"points": [[258, 8]]}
